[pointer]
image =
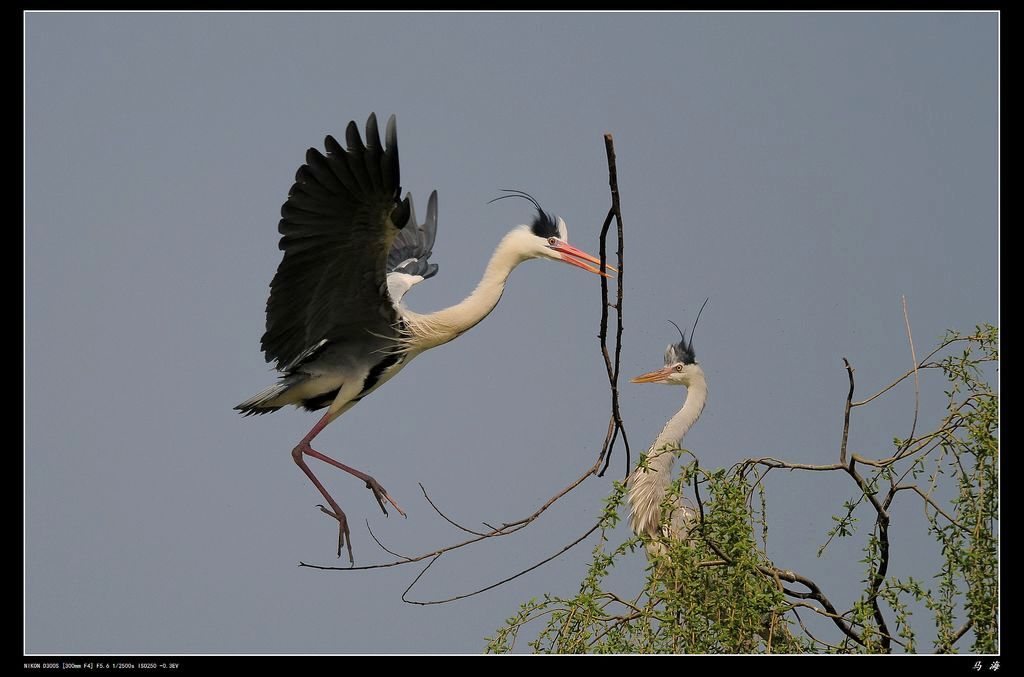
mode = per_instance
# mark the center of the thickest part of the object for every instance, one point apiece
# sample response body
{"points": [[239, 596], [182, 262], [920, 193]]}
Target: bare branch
{"points": [[882, 526], [418, 577], [446, 518], [913, 357], [923, 364], [618, 622], [613, 369], [612, 597], [945, 648], [846, 414], [881, 519], [929, 501], [827, 614], [506, 529], [377, 540], [770, 462], [808, 632], [502, 581]]}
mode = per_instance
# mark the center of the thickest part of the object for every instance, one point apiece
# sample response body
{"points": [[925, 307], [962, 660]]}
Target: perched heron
{"points": [[337, 327], [649, 485]]}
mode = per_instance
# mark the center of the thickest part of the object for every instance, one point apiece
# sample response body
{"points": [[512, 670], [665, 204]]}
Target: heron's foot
{"points": [[382, 495], [344, 537]]}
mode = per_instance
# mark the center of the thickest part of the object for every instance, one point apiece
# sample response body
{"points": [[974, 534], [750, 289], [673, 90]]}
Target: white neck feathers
{"points": [[647, 488], [434, 329]]}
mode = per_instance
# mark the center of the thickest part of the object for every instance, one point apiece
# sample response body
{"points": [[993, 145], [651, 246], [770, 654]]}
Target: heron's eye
{"points": [[552, 241], [679, 367]]}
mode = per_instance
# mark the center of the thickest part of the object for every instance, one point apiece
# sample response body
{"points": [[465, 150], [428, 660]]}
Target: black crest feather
{"points": [[683, 351], [544, 224]]}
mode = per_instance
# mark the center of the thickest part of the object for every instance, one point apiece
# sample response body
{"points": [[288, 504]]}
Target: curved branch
{"points": [[445, 517], [917, 383], [928, 499], [502, 581], [826, 614], [377, 541], [612, 369], [923, 364], [948, 645], [506, 529], [808, 632]]}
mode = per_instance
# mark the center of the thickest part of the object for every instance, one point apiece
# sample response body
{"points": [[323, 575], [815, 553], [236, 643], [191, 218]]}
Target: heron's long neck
{"points": [[648, 488], [434, 329]]}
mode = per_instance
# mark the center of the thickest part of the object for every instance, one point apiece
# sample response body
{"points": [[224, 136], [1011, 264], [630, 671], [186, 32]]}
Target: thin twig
{"points": [[830, 615], [419, 576], [945, 648], [846, 414], [619, 621], [506, 529], [808, 632], [502, 581], [382, 547], [923, 364], [448, 519], [770, 462], [929, 501], [913, 357], [615, 598]]}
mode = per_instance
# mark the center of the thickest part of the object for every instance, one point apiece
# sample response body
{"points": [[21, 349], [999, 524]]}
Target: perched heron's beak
{"points": [[653, 376], [568, 251]]}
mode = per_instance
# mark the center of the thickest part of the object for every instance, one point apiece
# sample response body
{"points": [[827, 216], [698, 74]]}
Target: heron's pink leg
{"points": [[373, 485], [344, 537]]}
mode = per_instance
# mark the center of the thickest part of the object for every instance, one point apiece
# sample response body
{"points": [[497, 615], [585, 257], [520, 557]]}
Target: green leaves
{"points": [[716, 591], [693, 601]]}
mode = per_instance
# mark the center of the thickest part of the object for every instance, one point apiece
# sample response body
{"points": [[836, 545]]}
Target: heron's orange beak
{"points": [[653, 376], [568, 252]]}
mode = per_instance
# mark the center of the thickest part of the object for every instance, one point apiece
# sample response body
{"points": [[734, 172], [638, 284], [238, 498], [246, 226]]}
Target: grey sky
{"points": [[801, 170]]}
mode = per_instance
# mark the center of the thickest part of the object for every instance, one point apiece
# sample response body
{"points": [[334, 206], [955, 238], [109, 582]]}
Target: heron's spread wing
{"points": [[408, 262], [338, 225]]}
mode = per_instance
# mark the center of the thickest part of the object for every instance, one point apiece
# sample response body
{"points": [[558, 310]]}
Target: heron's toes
{"points": [[344, 537], [382, 495]]}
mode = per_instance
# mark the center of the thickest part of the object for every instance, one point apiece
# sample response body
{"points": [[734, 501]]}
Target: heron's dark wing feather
{"points": [[337, 230], [414, 244]]}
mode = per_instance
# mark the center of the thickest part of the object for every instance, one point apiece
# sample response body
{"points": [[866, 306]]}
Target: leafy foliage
{"points": [[716, 591]]}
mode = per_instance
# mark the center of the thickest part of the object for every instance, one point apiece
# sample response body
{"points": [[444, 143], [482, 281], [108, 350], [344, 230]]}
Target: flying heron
{"points": [[337, 326]]}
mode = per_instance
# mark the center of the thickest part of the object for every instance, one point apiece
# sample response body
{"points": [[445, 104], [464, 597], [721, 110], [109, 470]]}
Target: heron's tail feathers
{"points": [[264, 401]]}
